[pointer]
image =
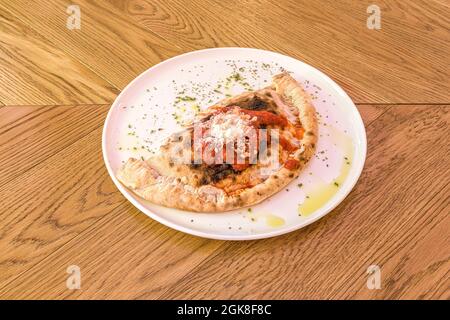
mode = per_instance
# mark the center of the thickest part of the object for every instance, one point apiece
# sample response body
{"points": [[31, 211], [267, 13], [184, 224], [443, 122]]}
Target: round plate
{"points": [[158, 101]]}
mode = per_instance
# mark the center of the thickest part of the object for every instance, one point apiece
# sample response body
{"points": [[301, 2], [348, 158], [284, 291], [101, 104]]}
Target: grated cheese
{"points": [[228, 127]]}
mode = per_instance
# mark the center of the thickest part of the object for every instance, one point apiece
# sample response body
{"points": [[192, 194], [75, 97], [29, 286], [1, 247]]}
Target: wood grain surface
{"points": [[60, 208]]}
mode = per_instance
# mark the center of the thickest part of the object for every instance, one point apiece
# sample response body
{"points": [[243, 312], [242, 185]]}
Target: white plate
{"points": [[145, 113]]}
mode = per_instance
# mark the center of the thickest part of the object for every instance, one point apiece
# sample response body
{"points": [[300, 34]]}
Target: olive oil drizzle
{"points": [[319, 194]]}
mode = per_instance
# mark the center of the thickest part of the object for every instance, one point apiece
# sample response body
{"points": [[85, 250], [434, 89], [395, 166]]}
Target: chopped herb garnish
{"points": [[186, 98], [236, 77]]}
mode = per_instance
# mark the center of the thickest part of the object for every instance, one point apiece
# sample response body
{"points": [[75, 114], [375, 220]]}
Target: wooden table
{"points": [[60, 208]]}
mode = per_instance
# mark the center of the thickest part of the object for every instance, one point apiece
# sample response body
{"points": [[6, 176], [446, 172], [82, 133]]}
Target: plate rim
{"points": [[203, 234]]}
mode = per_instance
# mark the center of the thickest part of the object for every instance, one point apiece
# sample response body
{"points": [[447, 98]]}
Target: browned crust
{"points": [[176, 192]]}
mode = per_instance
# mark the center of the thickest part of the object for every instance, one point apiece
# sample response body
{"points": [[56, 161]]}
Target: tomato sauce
{"points": [[292, 164], [262, 118]]}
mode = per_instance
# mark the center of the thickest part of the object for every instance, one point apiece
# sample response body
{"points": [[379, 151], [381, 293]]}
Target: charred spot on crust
{"points": [[220, 171], [309, 133], [177, 137], [204, 180], [194, 165], [291, 175], [221, 175], [251, 103], [238, 200], [214, 173], [257, 104]]}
